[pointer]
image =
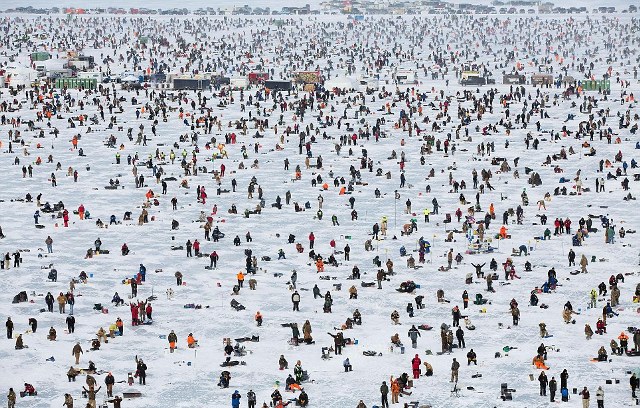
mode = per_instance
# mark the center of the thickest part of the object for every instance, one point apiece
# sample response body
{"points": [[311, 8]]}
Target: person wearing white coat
{"points": [[600, 397]]}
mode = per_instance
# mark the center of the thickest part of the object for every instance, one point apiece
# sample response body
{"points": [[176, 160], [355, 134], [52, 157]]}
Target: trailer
{"points": [[514, 79], [307, 77], [276, 85], [258, 77], [541, 79], [473, 80], [40, 56], [191, 83]]}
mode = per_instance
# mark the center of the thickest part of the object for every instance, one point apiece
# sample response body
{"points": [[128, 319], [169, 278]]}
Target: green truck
{"points": [[77, 83]]}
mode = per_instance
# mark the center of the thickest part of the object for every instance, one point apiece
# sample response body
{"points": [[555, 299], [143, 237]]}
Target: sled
{"points": [[132, 394], [425, 327], [24, 394]]}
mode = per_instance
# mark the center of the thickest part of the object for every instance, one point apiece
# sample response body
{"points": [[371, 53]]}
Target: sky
{"points": [[195, 4]]}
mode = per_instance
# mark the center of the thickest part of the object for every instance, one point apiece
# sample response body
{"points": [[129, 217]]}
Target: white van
{"points": [[406, 77], [239, 83], [91, 75]]}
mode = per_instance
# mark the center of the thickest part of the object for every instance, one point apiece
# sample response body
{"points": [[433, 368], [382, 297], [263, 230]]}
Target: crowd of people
{"points": [[399, 206]]}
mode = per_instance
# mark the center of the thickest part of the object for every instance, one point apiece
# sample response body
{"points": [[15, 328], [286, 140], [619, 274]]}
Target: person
{"points": [[116, 401], [72, 374], [29, 389], [76, 351], [553, 386], [585, 397], [415, 366], [602, 354], [361, 404], [141, 371], [251, 399], [172, 338], [282, 362], [33, 323], [471, 357], [191, 342], [19, 343], [109, 380], [11, 398], [295, 299], [395, 390], [235, 399], [384, 391], [52, 334], [413, 334], [455, 366], [303, 399], [347, 365], [542, 379], [9, 326], [600, 397], [634, 383]]}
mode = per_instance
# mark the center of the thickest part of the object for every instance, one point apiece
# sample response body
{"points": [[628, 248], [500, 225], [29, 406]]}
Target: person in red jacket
{"points": [[415, 364], [312, 238], [134, 314], [148, 311], [567, 226]]}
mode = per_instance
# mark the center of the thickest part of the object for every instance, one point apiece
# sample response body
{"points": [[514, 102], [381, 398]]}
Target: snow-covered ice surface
{"points": [[188, 377]]}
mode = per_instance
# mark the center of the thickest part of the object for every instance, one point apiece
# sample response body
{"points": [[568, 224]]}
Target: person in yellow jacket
{"points": [[112, 330]]}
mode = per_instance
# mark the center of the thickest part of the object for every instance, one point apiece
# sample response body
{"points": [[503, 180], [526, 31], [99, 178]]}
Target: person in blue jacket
{"points": [[143, 272], [235, 399]]}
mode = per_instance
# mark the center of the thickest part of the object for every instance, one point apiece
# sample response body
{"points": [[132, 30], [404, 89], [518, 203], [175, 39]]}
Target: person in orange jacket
{"points": [[81, 211], [395, 391], [624, 339], [538, 361], [503, 232], [191, 342], [258, 318], [240, 277]]}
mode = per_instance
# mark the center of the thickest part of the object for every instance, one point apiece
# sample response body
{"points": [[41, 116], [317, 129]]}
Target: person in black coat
{"points": [[9, 325], [141, 370]]}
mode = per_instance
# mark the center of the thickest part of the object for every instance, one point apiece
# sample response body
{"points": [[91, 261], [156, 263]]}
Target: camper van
{"points": [[406, 77]]}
